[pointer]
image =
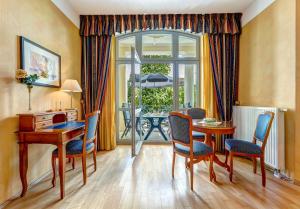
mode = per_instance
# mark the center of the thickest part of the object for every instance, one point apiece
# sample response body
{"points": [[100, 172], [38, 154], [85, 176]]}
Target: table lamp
{"points": [[71, 86]]}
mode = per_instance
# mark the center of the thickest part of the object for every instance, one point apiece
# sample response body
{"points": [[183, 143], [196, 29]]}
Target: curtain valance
{"points": [[195, 23]]}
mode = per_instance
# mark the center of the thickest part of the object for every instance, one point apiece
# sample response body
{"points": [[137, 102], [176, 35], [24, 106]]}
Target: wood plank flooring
{"points": [[146, 183]]}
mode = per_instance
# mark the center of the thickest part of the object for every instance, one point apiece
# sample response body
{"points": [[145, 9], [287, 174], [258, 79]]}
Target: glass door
{"points": [[188, 86], [136, 103], [123, 103], [166, 78]]}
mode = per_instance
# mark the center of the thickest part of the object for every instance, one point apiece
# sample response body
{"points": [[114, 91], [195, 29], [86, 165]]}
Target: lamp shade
{"points": [[71, 86]]}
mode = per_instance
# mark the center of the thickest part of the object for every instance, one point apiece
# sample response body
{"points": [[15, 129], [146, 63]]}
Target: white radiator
{"points": [[245, 117]]}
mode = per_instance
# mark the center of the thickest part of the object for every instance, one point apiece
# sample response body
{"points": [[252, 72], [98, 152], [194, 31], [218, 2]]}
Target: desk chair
{"points": [[82, 146]]}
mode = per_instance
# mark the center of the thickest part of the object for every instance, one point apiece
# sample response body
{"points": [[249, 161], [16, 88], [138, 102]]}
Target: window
{"points": [[188, 88], [124, 49], [157, 44], [187, 47], [168, 78], [176, 49]]}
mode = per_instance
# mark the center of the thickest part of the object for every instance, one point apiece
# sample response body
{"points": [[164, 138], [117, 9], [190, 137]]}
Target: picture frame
{"points": [[36, 59]]}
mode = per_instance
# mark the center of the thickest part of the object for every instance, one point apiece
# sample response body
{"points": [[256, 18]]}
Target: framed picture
{"points": [[36, 59]]}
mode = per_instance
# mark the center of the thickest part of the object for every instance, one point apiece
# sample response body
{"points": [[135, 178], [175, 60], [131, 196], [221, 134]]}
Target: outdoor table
{"points": [[155, 123]]}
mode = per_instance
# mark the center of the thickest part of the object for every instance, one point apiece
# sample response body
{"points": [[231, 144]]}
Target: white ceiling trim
{"points": [[250, 13], [255, 9], [66, 8]]}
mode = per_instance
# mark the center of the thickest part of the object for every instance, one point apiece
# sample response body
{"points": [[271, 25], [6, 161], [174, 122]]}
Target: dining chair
{"points": [[197, 113], [81, 147], [184, 145], [235, 147]]}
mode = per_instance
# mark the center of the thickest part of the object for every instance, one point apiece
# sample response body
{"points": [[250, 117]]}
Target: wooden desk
{"points": [[224, 128], [46, 128]]}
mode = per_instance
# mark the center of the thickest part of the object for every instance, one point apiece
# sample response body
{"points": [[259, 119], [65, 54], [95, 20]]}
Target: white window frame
{"points": [[175, 60]]}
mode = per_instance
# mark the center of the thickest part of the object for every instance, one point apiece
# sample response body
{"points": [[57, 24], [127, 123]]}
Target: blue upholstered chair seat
{"points": [[199, 149], [75, 147], [235, 145], [198, 135]]}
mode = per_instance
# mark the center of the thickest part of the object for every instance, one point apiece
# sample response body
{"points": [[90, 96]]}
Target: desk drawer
{"points": [[72, 118], [40, 118], [72, 113], [43, 124]]}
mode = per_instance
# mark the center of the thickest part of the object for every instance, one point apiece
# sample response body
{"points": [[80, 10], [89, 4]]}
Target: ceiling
{"points": [[73, 8], [157, 6]]}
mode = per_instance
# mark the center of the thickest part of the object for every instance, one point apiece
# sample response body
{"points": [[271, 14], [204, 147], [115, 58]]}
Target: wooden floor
{"points": [[145, 183]]}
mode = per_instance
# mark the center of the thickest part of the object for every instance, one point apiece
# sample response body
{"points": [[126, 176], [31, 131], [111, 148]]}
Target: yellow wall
{"points": [[267, 66], [41, 22], [297, 118]]}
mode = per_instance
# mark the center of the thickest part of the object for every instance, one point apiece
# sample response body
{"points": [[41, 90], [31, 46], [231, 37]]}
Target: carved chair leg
{"points": [[53, 160], [231, 166], [192, 174], [83, 158], [254, 165], [211, 168], [263, 171], [95, 159], [173, 164], [186, 163], [73, 163], [226, 156]]}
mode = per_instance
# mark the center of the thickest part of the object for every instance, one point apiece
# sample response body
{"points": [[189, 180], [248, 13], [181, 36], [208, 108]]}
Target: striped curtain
{"points": [[108, 114], [224, 52], [94, 71], [223, 31], [208, 101], [194, 23]]}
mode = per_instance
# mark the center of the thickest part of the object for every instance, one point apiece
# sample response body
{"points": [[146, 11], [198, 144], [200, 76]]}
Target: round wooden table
{"points": [[209, 130]]}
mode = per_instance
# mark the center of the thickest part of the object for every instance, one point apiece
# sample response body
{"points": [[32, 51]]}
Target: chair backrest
{"points": [[181, 127], [82, 107], [263, 126], [196, 113], [91, 122], [126, 113]]}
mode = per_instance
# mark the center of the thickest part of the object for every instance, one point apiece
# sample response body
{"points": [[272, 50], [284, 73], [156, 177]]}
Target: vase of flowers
{"points": [[23, 77]]}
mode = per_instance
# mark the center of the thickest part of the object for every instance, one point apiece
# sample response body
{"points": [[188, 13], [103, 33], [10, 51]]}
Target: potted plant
{"points": [[23, 77]]}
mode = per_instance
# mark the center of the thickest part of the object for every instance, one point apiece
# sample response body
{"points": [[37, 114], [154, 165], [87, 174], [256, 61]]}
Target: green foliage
{"points": [[156, 68], [181, 95], [29, 80], [156, 99]]}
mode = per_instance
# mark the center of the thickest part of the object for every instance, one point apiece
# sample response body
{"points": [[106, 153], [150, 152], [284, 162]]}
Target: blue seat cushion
{"points": [[242, 146], [75, 147], [199, 149], [198, 135]]}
